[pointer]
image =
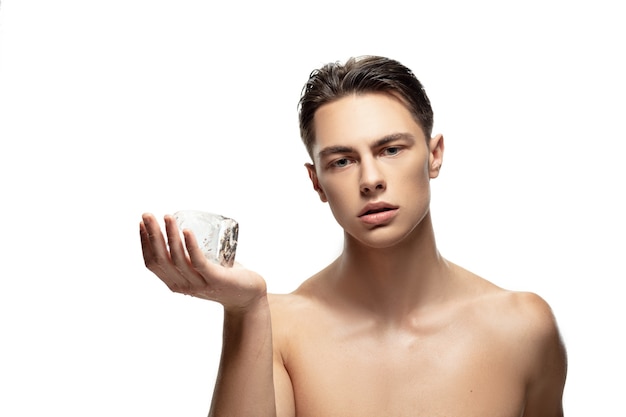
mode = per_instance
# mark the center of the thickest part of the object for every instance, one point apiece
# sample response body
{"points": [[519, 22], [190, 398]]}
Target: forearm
{"points": [[244, 385]]}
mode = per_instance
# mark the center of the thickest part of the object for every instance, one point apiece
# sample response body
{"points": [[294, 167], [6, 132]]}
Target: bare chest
{"points": [[447, 372]]}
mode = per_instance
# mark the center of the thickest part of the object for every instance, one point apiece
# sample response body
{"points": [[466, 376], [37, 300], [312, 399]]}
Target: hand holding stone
{"points": [[190, 272]]}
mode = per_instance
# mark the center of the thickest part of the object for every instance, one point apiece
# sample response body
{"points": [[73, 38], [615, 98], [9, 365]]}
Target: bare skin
{"points": [[390, 327], [479, 353]]}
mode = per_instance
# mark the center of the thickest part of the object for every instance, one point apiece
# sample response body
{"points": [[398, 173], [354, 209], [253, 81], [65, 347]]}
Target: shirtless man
{"points": [[390, 328]]}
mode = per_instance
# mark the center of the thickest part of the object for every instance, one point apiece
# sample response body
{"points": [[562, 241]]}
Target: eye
{"points": [[340, 163], [391, 151]]}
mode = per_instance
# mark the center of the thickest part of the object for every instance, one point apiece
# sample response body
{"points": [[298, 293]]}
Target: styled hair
{"points": [[361, 75]]}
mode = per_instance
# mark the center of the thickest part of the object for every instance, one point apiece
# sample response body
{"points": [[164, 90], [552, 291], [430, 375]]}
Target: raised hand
{"points": [[189, 272]]}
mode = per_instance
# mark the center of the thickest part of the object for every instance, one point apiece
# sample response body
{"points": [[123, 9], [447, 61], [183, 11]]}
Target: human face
{"points": [[373, 165]]}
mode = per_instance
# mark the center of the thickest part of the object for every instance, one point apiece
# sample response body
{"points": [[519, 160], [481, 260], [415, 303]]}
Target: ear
{"points": [[316, 184], [435, 158]]}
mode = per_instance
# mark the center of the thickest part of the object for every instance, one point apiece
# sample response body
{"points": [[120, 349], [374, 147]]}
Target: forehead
{"points": [[360, 119]]}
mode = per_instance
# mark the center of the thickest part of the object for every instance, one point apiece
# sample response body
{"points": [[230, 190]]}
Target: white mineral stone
{"points": [[216, 234]]}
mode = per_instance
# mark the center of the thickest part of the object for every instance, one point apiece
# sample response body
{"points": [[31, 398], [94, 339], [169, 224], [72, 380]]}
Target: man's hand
{"points": [[191, 273]]}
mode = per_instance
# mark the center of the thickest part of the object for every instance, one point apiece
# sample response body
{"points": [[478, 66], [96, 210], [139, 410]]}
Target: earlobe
{"points": [[315, 181], [435, 159]]}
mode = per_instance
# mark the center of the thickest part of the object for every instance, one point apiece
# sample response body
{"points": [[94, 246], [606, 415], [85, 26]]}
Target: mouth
{"points": [[375, 208], [374, 211]]}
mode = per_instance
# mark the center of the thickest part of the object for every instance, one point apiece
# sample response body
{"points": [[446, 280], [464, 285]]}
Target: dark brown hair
{"points": [[359, 75]]}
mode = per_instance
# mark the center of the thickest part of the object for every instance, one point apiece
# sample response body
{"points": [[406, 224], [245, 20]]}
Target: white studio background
{"points": [[110, 109]]}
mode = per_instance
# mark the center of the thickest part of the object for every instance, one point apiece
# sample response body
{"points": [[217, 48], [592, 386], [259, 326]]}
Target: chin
{"points": [[378, 238], [386, 236]]}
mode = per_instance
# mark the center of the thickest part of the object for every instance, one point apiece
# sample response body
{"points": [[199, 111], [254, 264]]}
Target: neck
{"points": [[397, 280]]}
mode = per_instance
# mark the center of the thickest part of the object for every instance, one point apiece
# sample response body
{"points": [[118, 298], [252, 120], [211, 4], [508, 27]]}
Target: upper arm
{"points": [[283, 389], [548, 362]]}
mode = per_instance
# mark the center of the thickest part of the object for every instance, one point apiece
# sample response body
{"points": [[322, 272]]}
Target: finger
{"points": [[178, 255], [152, 241], [157, 256], [146, 247], [174, 242], [154, 237]]}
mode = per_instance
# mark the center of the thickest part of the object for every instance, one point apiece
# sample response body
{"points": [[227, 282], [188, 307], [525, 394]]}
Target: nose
{"points": [[371, 178]]}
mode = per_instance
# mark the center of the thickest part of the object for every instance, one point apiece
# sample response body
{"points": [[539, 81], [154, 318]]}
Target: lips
{"points": [[374, 208], [378, 213]]}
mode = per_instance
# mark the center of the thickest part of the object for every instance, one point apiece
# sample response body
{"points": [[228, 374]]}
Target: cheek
{"points": [[335, 193], [334, 186], [416, 176], [339, 196]]}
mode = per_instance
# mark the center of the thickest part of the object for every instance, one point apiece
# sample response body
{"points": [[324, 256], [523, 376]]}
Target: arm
{"points": [[245, 383], [548, 374]]}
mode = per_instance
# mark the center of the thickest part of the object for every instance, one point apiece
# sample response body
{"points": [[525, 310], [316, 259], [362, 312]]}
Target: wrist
{"points": [[258, 304]]}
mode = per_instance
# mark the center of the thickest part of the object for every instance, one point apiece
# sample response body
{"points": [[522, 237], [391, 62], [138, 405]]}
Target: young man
{"points": [[390, 328]]}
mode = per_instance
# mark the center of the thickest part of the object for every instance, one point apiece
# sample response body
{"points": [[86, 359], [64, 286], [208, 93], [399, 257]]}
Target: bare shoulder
{"points": [[296, 318], [307, 296], [527, 319], [523, 324], [522, 311], [286, 306], [518, 311], [521, 317], [536, 326], [287, 309]]}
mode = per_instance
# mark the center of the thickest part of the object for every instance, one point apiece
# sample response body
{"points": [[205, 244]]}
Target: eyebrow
{"points": [[330, 150]]}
